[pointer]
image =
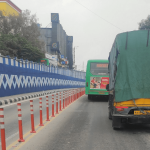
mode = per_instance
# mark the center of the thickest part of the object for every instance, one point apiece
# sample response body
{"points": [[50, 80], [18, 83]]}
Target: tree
{"points": [[145, 23], [24, 27], [18, 46]]}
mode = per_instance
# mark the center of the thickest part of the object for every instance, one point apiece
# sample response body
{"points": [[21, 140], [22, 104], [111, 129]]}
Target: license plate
{"points": [[101, 93], [144, 112]]}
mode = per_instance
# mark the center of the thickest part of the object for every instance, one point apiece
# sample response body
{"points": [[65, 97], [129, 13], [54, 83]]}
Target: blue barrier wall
{"points": [[19, 76]]}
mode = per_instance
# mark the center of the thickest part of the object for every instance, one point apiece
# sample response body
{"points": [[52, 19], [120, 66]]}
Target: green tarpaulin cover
{"points": [[130, 60]]}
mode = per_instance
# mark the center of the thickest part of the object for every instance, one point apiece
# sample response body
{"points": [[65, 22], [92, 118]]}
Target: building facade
{"points": [[9, 8], [57, 42]]}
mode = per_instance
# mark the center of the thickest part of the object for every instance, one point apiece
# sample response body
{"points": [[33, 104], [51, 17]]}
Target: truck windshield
{"points": [[99, 68]]}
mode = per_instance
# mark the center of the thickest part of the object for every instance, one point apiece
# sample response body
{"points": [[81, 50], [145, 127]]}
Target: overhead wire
{"points": [[99, 16]]}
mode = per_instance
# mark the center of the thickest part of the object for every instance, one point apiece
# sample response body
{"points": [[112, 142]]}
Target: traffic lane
{"points": [[85, 126]]}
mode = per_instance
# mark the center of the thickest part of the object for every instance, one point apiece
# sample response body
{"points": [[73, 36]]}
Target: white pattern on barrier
{"points": [[28, 81]]}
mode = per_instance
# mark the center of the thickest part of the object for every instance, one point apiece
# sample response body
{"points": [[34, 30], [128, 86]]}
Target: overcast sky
{"points": [[92, 23]]}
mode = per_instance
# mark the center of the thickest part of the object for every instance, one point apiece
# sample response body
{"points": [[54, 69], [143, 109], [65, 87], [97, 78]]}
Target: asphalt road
{"points": [[84, 125], [11, 117]]}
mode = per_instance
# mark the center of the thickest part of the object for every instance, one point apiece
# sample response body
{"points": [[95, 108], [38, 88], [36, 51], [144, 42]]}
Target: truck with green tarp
{"points": [[129, 79]]}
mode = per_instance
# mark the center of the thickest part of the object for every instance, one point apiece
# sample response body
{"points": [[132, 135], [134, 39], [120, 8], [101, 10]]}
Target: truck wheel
{"points": [[109, 114], [89, 97]]}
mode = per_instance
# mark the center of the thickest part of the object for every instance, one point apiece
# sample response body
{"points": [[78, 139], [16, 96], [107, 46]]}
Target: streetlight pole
{"points": [[74, 54]]}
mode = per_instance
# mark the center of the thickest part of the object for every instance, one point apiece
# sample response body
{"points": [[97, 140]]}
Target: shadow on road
{"points": [[99, 98], [136, 128]]}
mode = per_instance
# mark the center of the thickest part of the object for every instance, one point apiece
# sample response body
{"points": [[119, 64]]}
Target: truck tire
{"points": [[89, 97], [109, 114]]}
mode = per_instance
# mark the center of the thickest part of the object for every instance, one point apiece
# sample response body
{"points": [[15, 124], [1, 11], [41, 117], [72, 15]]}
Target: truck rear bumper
{"points": [[133, 119]]}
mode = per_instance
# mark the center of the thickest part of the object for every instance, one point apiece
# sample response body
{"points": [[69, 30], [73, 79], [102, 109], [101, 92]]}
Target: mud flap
{"points": [[116, 122]]}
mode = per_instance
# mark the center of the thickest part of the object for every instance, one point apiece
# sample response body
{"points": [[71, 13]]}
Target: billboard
{"points": [[70, 38], [55, 17], [55, 46], [98, 82]]}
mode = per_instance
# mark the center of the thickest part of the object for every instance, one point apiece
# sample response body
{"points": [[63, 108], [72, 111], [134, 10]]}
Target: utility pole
{"points": [[74, 55], [83, 66]]}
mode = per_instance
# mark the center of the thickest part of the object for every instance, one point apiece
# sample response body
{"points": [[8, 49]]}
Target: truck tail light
{"points": [[121, 108]]}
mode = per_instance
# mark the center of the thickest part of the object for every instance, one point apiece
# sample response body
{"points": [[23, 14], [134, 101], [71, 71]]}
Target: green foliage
{"points": [[145, 24], [18, 46], [19, 36]]}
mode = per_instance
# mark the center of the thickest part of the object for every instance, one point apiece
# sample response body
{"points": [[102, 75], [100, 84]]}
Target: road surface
{"points": [[84, 125]]}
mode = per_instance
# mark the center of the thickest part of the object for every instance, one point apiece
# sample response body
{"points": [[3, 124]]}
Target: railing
{"points": [[40, 67], [19, 76]]}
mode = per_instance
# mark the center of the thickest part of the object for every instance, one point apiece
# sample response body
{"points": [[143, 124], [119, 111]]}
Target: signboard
{"points": [[62, 56], [70, 39], [63, 63], [51, 57], [99, 82], [42, 60], [55, 46], [55, 17], [102, 65]]}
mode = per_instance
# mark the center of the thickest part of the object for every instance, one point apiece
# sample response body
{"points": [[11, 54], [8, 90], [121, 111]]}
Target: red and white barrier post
{"points": [[60, 96], [66, 98], [20, 123], [3, 141], [70, 96], [32, 117], [41, 117], [73, 95], [79, 92], [63, 99], [57, 103], [53, 113], [47, 109]]}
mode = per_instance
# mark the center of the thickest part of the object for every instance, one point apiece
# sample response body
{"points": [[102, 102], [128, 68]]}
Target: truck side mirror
{"points": [[107, 87]]}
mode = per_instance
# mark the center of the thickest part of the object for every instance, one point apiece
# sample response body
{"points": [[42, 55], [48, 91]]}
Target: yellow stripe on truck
{"points": [[141, 102]]}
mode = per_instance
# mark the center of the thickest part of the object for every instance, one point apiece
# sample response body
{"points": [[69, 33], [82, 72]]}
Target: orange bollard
{"points": [[73, 95], [63, 99], [57, 103], [41, 118], [47, 109], [32, 117], [69, 97], [20, 123], [3, 140], [53, 114], [66, 98], [60, 101]]}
